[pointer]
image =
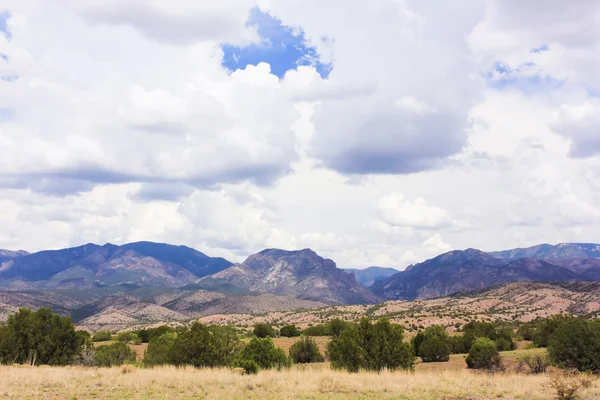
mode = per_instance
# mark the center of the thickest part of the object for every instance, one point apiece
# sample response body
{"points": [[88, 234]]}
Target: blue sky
{"points": [[4, 16], [281, 46]]}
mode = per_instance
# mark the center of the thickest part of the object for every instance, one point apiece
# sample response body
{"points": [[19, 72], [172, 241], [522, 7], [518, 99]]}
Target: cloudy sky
{"points": [[376, 132]]}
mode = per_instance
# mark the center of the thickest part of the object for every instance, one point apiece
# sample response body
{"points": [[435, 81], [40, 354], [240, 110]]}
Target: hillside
{"points": [[464, 270], [521, 301], [301, 274], [142, 264]]}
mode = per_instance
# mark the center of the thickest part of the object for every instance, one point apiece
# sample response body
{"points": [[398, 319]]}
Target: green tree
{"points": [[306, 351], [40, 336], [345, 351], [484, 355], [546, 328], [416, 342], [264, 353], [434, 349], [102, 336], [160, 350], [576, 344], [204, 346], [371, 346], [114, 354], [264, 330], [289, 331], [128, 337], [146, 335]]}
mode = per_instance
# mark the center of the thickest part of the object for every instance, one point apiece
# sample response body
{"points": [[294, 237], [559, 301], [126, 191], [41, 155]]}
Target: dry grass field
{"points": [[67, 383]]}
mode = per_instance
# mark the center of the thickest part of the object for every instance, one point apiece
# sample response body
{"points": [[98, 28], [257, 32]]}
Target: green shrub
{"points": [[250, 366], [146, 335], [102, 336], [264, 330], [264, 353], [575, 344], [434, 349], [484, 355], [160, 350], [306, 351], [502, 344], [289, 331], [546, 328], [114, 354], [370, 346], [40, 337], [205, 346], [128, 337], [416, 342]]}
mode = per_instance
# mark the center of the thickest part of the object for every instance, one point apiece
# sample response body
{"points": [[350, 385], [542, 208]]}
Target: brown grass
{"points": [[187, 383]]}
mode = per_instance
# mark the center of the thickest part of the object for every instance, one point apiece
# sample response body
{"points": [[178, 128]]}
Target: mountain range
{"points": [[147, 282]]}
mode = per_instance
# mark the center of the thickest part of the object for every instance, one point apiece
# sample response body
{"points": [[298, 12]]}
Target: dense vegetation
{"points": [[370, 346], [306, 351], [42, 337], [39, 337]]}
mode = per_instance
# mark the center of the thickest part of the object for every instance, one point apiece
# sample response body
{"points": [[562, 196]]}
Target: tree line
{"points": [[42, 337]]}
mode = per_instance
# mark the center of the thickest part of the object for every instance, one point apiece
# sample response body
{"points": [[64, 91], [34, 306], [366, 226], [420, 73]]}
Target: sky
{"points": [[379, 132]]}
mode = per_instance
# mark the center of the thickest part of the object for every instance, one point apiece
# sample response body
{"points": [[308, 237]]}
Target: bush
{"points": [[503, 345], [160, 350], [306, 351], [370, 346], [416, 342], [102, 336], [205, 346], [39, 337], [264, 353], [114, 354], [250, 366], [567, 385], [484, 355], [576, 344], [546, 328], [264, 330], [434, 349], [146, 335], [289, 331], [128, 337], [538, 364]]}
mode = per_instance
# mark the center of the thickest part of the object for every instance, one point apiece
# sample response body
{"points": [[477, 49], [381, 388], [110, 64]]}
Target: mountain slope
{"points": [[301, 273], [6, 255], [142, 263], [460, 271], [370, 275], [562, 251]]}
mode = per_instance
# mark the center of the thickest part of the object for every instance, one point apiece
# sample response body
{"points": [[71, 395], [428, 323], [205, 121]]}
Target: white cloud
{"points": [[580, 123], [396, 210], [123, 125]]}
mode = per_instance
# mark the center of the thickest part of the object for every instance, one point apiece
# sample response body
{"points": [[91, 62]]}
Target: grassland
{"points": [[187, 383]]}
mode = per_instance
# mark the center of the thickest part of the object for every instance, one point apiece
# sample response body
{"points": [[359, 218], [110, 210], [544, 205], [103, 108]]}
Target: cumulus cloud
{"points": [[396, 210], [415, 117], [581, 124], [102, 105]]}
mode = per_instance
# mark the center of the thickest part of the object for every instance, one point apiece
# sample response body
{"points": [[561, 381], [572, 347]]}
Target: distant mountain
{"points": [[562, 251], [6, 255], [302, 274], [141, 263], [370, 275], [471, 269]]}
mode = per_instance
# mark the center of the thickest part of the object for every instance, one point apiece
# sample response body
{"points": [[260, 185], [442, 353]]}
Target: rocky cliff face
{"points": [[301, 273], [6, 255]]}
